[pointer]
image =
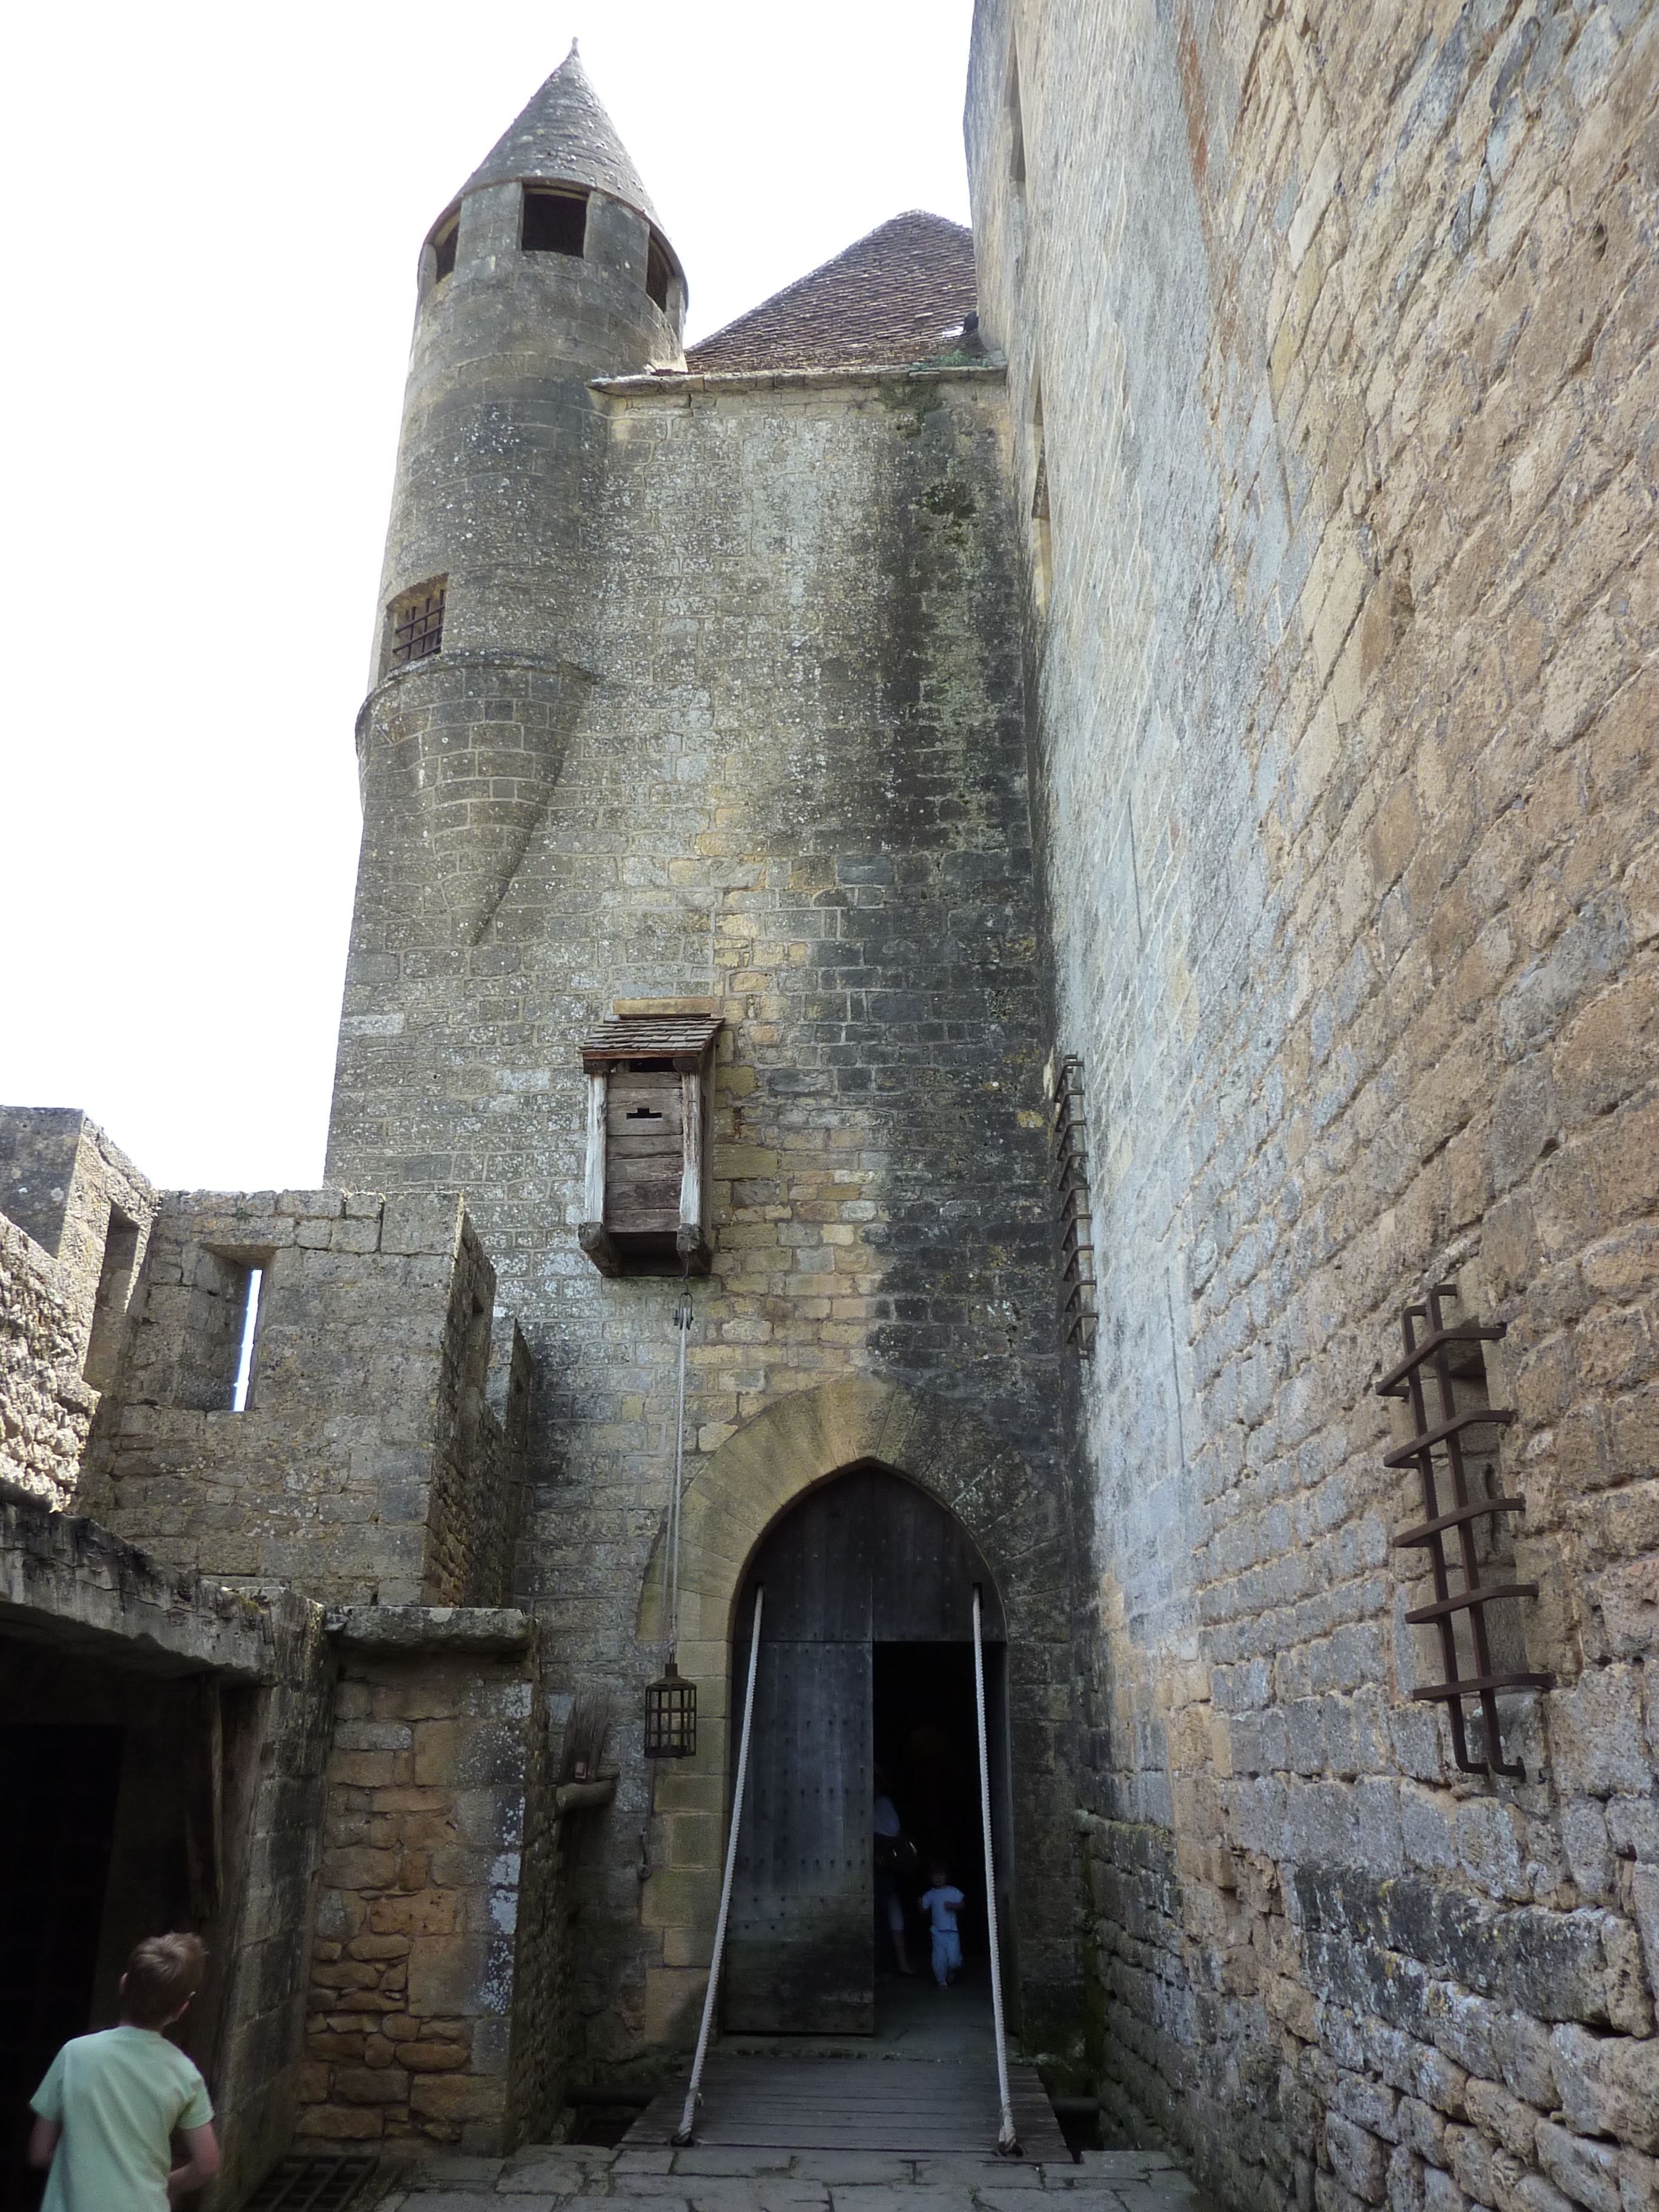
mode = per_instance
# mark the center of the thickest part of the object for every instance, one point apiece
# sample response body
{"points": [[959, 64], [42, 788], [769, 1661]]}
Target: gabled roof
{"points": [[565, 136], [648, 1036], [890, 298]]}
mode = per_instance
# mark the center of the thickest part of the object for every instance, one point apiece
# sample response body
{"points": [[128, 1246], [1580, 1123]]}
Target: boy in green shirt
{"points": [[111, 2103]]}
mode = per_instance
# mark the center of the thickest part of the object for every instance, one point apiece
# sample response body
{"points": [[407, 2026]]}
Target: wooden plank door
{"points": [[800, 1946], [866, 1558]]}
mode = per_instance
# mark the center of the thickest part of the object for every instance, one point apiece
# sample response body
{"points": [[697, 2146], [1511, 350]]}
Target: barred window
{"points": [[417, 622], [1063, 1080]]}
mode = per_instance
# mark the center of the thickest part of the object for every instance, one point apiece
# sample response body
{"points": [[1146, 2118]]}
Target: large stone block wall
{"points": [[1331, 330], [368, 1464], [783, 769], [439, 1756], [75, 1216], [61, 1179], [46, 1404]]}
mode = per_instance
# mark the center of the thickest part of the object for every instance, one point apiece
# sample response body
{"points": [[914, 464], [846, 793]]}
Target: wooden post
{"points": [[593, 1235], [691, 1236]]}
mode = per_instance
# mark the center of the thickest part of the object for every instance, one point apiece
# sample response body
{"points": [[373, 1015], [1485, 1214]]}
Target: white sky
{"points": [[215, 215]]}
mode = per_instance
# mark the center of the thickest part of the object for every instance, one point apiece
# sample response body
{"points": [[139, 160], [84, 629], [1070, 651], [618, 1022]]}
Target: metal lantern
{"points": [[670, 1717]]}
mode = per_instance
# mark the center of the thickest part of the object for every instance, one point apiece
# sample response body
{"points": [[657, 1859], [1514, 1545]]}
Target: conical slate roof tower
{"points": [[547, 270], [565, 136]]}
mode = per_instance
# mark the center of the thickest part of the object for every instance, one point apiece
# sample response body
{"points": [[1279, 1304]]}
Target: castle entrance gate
{"points": [[867, 1635]]}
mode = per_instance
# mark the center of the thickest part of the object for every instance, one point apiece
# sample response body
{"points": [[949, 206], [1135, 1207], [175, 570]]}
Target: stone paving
{"points": [[547, 2177]]}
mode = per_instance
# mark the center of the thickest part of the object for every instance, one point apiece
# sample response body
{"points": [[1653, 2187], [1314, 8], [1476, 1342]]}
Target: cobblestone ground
{"points": [[542, 2177]]}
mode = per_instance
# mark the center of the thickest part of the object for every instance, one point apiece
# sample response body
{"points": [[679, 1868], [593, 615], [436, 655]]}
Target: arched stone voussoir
{"points": [[763, 1468]]}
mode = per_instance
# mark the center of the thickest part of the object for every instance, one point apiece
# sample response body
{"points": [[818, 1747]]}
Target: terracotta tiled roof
{"points": [[890, 298]]}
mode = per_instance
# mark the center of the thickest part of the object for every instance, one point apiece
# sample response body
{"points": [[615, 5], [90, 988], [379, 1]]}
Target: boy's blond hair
{"points": [[163, 1974]]}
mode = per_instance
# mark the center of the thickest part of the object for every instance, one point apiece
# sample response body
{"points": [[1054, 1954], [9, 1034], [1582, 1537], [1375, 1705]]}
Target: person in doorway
{"points": [[891, 1846], [111, 2103], [939, 1903]]}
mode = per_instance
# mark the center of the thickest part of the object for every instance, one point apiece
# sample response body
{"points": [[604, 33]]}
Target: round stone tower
{"points": [[548, 268]]}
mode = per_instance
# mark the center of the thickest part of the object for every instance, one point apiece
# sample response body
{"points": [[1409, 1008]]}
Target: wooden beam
{"points": [[691, 1158], [595, 1240], [592, 1235]]}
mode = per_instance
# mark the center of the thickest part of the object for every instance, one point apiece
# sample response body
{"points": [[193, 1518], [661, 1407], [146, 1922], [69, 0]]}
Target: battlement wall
{"points": [[367, 1464], [75, 1214]]}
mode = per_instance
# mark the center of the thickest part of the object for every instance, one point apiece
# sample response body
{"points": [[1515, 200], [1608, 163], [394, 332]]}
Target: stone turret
{"points": [[549, 268]]}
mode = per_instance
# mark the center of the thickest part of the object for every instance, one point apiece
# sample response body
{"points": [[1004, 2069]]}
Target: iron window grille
{"points": [[1439, 1448], [417, 625], [1073, 1217]]}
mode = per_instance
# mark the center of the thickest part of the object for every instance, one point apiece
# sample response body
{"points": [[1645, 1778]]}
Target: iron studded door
{"points": [[800, 1951], [865, 1557]]}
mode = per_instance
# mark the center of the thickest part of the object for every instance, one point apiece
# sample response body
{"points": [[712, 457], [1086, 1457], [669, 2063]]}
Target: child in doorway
{"points": [[111, 2103], [939, 1903]]}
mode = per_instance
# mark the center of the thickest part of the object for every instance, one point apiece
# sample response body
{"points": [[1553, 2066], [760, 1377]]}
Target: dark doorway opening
{"points": [[866, 1573], [54, 1841], [927, 1747]]}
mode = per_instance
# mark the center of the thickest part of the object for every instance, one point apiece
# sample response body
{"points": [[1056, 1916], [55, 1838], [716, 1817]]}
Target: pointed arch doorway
{"points": [[865, 1646]]}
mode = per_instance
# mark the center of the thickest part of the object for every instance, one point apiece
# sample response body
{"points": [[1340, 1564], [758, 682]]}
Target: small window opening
{"points": [[110, 1302], [553, 222], [659, 270], [417, 622], [443, 246], [1017, 127], [255, 1277], [642, 1114]]}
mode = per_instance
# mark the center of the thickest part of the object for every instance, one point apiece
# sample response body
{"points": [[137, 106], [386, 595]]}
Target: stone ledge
{"points": [[429, 1628], [676, 384], [67, 1580]]}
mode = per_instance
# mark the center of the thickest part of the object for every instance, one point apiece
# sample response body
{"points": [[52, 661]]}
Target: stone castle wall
{"points": [[787, 774], [1331, 330], [367, 1464], [438, 1759], [46, 1404], [75, 1217]]}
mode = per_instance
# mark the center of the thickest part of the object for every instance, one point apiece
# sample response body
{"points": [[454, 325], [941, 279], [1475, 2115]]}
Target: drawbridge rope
{"points": [[671, 1564], [1007, 2142], [684, 2134]]}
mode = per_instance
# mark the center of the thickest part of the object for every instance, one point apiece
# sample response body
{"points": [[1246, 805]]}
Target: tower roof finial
{"points": [[565, 136]]}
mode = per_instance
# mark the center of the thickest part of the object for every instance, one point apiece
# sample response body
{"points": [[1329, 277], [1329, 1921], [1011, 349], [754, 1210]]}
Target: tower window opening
{"points": [[658, 270], [553, 222], [110, 1302], [255, 1277], [1017, 128], [417, 622], [444, 245]]}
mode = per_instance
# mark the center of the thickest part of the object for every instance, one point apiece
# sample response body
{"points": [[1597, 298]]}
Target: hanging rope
{"points": [[684, 2134], [671, 1556], [1007, 2142]]}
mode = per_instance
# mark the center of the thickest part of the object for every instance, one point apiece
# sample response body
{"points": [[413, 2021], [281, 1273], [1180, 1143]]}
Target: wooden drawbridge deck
{"points": [[905, 2106]]}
